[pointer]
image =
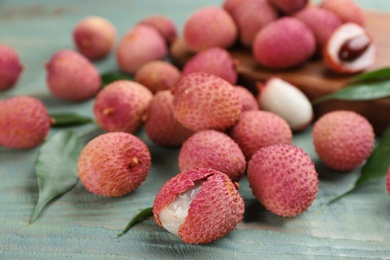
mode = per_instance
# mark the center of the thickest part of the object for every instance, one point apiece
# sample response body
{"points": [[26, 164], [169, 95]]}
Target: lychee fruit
{"points": [[257, 129], [24, 122], [286, 100], [121, 105], [289, 7], [164, 25], [248, 100], [200, 205], [283, 178], [157, 75], [388, 180], [284, 43], [141, 44], [348, 10], [94, 37], [208, 27], [212, 149], [160, 125], [10, 67], [343, 140], [114, 164], [204, 101], [216, 61], [250, 17], [231, 5], [72, 77]]}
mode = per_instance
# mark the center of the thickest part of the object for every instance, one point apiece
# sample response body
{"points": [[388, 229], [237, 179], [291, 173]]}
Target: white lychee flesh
{"points": [[174, 215]]}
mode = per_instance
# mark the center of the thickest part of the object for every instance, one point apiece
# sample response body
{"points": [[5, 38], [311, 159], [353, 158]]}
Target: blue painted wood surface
{"points": [[81, 225]]}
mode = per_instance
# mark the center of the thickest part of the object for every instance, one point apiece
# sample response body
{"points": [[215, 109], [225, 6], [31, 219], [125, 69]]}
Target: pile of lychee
{"points": [[223, 130]]}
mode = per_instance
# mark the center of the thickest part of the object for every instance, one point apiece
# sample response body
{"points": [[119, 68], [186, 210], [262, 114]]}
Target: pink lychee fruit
{"points": [[120, 106], [216, 61], [10, 67], [24, 122], [231, 5], [212, 149], [72, 77], [160, 125], [289, 7], [204, 101], [343, 139], [388, 180], [250, 17], [94, 37], [164, 25], [257, 129], [114, 164], [200, 205], [284, 43], [157, 75], [208, 27], [248, 100], [283, 178], [347, 10], [139, 45]]}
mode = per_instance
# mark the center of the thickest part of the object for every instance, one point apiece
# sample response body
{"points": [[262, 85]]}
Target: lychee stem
{"points": [[108, 111], [142, 215], [133, 162]]}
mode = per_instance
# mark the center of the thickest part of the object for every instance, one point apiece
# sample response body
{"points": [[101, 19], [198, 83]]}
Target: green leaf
{"points": [[379, 74], [56, 168], [112, 76], [359, 91], [68, 119], [376, 166], [143, 214]]}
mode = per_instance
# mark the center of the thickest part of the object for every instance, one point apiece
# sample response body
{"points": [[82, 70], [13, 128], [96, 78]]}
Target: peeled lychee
{"points": [[216, 61], [347, 10], [283, 178], [204, 101], [114, 164], [248, 100], [212, 149], [199, 205], [343, 139], [94, 37], [289, 7], [164, 25], [141, 44], [10, 67], [284, 43], [71, 76], [121, 105], [157, 75], [257, 129], [160, 125], [24, 122], [208, 27]]}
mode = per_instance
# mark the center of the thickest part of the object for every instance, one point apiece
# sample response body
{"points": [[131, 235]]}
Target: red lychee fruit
{"points": [[343, 139], [114, 164], [24, 122], [283, 178], [199, 205], [248, 100], [289, 7], [164, 25], [10, 67], [347, 10]]}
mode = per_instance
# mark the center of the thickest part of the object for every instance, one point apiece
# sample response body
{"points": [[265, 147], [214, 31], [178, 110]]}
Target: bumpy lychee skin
{"points": [[164, 25], [120, 106], [248, 100], [284, 43], [257, 129], [283, 178], [199, 205], [157, 75], [141, 44], [204, 101], [347, 10], [343, 139], [94, 37], [213, 149], [72, 77], [160, 125], [208, 27], [10, 67], [114, 164], [216, 61], [24, 122], [289, 7]]}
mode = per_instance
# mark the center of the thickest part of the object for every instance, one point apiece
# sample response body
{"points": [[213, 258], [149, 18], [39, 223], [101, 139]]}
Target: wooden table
{"points": [[81, 225]]}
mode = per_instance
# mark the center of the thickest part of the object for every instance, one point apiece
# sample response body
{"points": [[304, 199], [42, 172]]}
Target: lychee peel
{"points": [[164, 25], [114, 164], [348, 10], [248, 100], [283, 178], [213, 212], [288, 7], [10, 67]]}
